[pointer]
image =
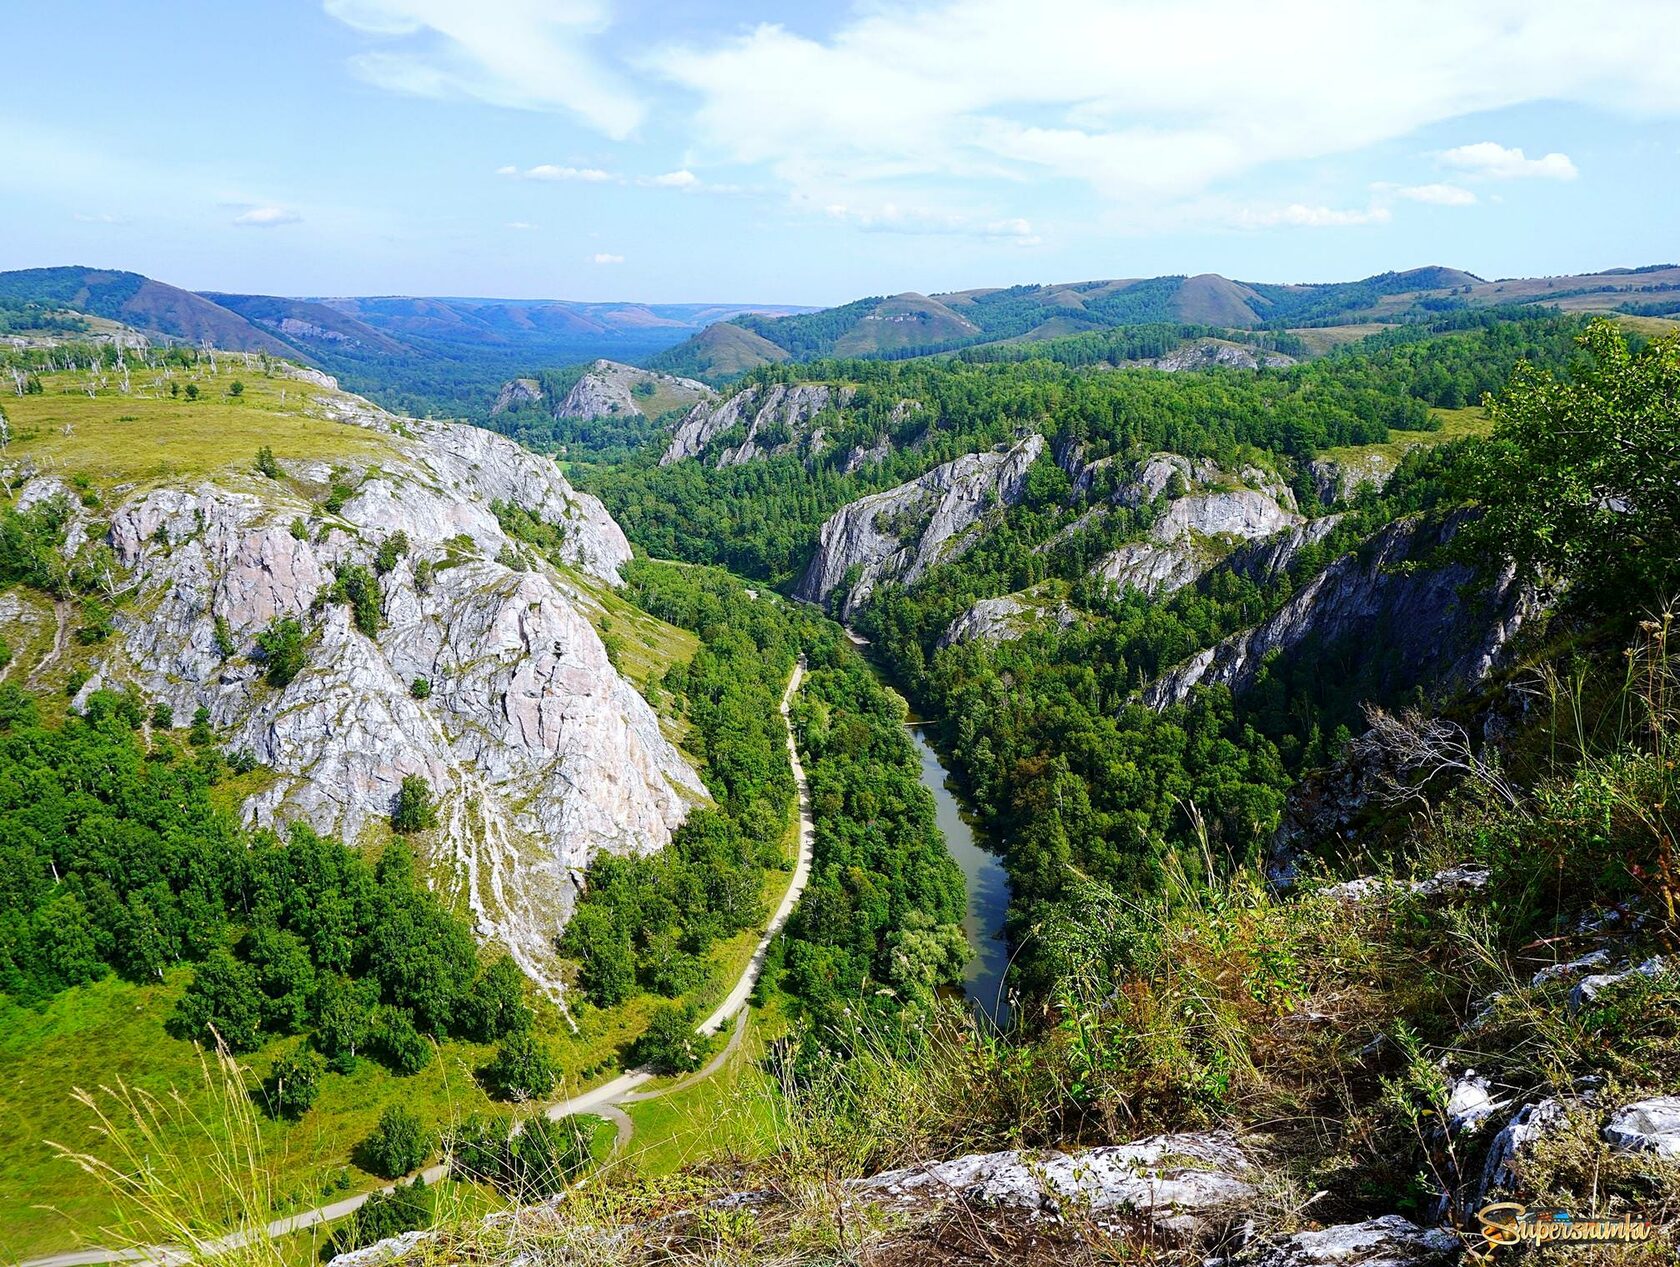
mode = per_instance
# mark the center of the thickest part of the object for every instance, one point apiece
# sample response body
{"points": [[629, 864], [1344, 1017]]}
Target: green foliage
{"points": [[669, 1044], [406, 1208], [521, 1069], [225, 644], [236, 389], [357, 586], [536, 1159], [390, 550], [646, 921], [879, 918], [399, 1144], [192, 391], [266, 464], [201, 735], [294, 1082], [414, 809], [420, 688], [1580, 478], [284, 650]]}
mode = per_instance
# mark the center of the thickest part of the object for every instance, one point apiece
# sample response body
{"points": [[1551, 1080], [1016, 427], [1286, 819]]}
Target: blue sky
{"points": [[734, 151]]}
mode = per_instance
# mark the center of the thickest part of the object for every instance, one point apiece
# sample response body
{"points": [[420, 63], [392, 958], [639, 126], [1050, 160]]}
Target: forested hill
{"points": [[910, 324]]}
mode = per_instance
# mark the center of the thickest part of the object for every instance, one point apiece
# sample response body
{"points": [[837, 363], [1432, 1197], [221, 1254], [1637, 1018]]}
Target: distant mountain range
{"points": [[424, 353], [913, 324]]}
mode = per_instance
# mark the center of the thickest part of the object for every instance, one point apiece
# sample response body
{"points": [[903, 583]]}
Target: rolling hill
{"points": [[426, 355], [912, 324]]}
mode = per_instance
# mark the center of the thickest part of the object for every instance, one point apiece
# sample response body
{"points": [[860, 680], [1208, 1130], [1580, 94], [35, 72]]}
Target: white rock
{"points": [[1574, 968], [1184, 1184], [1389, 1241], [1589, 988], [790, 407], [1528, 1125], [1003, 619], [1649, 1126], [1470, 1102], [899, 534]]}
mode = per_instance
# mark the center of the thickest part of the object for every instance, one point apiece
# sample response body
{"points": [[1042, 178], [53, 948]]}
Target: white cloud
{"points": [[553, 172], [266, 217], [1301, 216], [889, 217], [1438, 195], [1495, 161], [683, 179], [1141, 100], [104, 217], [522, 226], [604, 257], [524, 54]]}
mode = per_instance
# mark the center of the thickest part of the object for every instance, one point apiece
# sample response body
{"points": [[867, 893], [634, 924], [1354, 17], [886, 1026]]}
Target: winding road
{"points": [[605, 1101]]}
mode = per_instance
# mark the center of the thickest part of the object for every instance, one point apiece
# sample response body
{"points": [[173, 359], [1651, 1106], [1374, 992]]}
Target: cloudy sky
{"points": [[740, 150]]}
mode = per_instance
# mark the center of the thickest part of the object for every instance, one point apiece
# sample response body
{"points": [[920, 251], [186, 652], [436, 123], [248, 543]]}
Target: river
{"points": [[988, 888], [985, 879]]}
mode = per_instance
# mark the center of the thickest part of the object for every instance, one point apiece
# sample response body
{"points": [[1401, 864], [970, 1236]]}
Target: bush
{"points": [[266, 465], [413, 810], [294, 1082], [406, 1208], [359, 587], [403, 1047], [399, 1144], [520, 1070], [669, 1044], [420, 688], [283, 649], [390, 550]]}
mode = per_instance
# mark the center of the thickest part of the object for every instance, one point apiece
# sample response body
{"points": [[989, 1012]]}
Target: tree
{"points": [[236, 389], [284, 650], [398, 1144], [223, 1001], [192, 391], [266, 464], [520, 1070], [413, 810], [1581, 478], [669, 1044], [496, 1005], [294, 1082], [403, 1046], [406, 1208]]}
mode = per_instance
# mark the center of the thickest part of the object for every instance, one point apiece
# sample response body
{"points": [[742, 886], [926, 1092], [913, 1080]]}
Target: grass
{"points": [[642, 647], [1455, 423], [145, 435]]}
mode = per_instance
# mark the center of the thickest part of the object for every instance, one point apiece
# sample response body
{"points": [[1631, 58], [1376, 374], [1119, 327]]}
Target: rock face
{"points": [[1528, 1126], [1405, 626], [518, 394], [1186, 1185], [1200, 526], [772, 420], [1003, 619], [1650, 1126], [899, 534], [1337, 479], [1391, 1241], [539, 753], [1270, 557], [1205, 354], [609, 389]]}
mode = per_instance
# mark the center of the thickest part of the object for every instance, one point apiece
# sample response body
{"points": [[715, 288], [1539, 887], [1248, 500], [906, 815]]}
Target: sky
{"points": [[739, 151]]}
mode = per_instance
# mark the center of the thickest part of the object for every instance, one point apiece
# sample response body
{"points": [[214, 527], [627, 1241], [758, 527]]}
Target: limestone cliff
{"points": [[900, 533], [610, 389], [539, 753], [1413, 616]]}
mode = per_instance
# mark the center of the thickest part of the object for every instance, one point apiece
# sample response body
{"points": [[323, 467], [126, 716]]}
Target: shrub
{"points": [[669, 1044], [360, 588], [398, 1144], [403, 1047], [266, 465], [390, 550], [413, 810], [282, 646], [406, 1208], [420, 688], [294, 1082], [520, 1070]]}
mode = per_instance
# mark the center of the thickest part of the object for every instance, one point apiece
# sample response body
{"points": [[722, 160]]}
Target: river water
{"points": [[988, 889]]}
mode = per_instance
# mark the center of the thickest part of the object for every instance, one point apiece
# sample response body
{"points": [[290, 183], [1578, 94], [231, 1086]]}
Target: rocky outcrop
{"points": [[521, 393], [1188, 1186], [1270, 557], [1390, 1241], [1400, 612], [1528, 1126], [1206, 354], [899, 534], [1004, 619], [1205, 520], [609, 389], [539, 753], [1338, 479], [1648, 1126], [770, 420]]}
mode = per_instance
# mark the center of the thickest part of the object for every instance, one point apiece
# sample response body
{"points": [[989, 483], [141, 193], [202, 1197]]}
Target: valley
{"points": [[1128, 745]]}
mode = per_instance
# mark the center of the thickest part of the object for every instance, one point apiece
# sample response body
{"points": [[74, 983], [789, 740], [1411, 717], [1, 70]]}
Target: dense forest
{"points": [[761, 519]]}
